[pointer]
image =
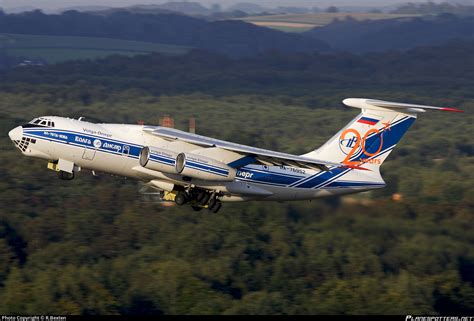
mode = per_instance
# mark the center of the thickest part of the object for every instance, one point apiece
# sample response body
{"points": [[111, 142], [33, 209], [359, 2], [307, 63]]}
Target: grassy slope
{"points": [[59, 48]]}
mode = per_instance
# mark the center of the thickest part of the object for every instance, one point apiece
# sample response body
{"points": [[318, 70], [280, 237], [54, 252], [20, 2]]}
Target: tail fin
{"points": [[370, 137]]}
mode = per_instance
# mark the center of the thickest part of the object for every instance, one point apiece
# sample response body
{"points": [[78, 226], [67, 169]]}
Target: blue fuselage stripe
{"points": [[86, 141], [207, 168], [162, 159]]}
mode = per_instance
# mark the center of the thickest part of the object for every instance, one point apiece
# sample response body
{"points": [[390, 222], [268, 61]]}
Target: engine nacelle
{"points": [[157, 159], [201, 167]]}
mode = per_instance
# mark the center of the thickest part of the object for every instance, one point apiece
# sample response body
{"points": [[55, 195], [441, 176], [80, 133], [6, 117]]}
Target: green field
{"points": [[304, 22], [55, 49]]}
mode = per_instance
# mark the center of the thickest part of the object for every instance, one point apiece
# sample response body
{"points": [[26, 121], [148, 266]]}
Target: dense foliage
{"points": [[423, 73], [95, 245]]}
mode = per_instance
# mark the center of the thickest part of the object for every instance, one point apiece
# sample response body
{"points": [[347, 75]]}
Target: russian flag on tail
{"points": [[368, 120]]}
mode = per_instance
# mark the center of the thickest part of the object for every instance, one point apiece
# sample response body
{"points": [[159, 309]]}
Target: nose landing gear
{"points": [[65, 175], [64, 169]]}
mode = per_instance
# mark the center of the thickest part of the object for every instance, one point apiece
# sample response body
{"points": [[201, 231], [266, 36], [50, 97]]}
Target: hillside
{"points": [[187, 8], [53, 49], [396, 34], [432, 8], [233, 38]]}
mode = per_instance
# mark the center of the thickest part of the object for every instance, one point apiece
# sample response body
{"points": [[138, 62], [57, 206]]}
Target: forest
{"points": [[316, 80], [97, 245]]}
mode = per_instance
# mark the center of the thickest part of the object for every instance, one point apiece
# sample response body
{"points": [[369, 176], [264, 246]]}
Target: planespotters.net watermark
{"points": [[438, 318], [34, 318]]}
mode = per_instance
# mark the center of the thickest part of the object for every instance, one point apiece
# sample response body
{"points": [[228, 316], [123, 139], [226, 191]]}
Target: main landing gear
{"points": [[198, 199]]}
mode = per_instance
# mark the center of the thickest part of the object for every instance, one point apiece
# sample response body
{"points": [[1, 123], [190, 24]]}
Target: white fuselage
{"points": [[115, 148]]}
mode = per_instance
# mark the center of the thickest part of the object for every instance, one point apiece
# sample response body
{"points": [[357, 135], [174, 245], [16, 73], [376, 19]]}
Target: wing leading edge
{"points": [[263, 156]]}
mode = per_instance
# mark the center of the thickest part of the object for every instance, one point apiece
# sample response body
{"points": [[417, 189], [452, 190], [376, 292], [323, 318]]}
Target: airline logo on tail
{"points": [[358, 147], [348, 142]]}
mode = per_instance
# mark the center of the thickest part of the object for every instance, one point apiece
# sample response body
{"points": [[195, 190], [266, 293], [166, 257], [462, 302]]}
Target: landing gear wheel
{"points": [[181, 198], [217, 207], [65, 175], [205, 199], [200, 196], [214, 205], [197, 208]]}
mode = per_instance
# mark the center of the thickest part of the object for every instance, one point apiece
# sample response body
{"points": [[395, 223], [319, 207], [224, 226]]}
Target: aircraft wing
{"points": [[263, 156]]}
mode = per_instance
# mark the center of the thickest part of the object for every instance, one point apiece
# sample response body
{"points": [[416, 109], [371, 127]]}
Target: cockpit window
{"points": [[39, 122]]}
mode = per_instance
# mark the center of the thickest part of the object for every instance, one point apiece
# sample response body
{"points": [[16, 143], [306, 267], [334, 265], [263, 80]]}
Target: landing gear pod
{"points": [[158, 159], [200, 167]]}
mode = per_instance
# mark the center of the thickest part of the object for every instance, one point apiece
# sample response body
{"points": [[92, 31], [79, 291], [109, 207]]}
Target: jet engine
{"points": [[158, 159], [201, 167]]}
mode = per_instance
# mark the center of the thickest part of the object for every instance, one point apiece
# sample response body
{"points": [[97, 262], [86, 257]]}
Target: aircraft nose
{"points": [[16, 133]]}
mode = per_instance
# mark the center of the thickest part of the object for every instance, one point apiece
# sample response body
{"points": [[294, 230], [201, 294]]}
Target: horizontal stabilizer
{"points": [[374, 104]]}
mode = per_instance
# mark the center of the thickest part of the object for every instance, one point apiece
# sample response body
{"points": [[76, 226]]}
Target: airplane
{"points": [[203, 172]]}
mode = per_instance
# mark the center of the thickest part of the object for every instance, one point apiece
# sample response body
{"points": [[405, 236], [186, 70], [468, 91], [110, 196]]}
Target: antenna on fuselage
{"points": [[81, 118]]}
